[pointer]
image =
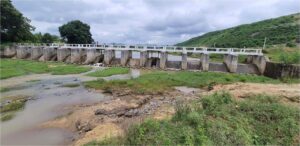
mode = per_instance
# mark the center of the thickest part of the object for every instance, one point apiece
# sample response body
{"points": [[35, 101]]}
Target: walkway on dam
{"points": [[159, 48]]}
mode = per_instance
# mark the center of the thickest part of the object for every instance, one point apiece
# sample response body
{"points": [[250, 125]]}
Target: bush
{"points": [[291, 44], [290, 58]]}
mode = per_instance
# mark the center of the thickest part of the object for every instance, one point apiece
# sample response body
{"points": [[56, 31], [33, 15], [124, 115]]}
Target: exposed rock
{"points": [[101, 112], [83, 126], [131, 113]]}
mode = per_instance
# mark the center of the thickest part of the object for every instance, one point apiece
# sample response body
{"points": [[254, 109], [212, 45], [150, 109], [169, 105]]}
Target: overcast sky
{"points": [[151, 21]]}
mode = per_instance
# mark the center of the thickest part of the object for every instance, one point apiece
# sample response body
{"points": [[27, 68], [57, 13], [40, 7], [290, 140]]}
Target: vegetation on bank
{"points": [[3, 89], [71, 85], [218, 119], [109, 72], [162, 81], [8, 110], [282, 54], [282, 30], [13, 67]]}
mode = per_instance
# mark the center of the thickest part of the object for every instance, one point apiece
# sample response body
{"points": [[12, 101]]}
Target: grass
{"points": [[3, 89], [13, 67], [71, 85], [162, 81], [218, 119], [109, 72], [7, 116], [13, 106], [34, 80], [282, 54], [8, 111]]}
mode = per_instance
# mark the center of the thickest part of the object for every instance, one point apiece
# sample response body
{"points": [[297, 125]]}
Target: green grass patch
{"points": [[3, 89], [109, 72], [13, 67], [8, 111], [71, 85], [7, 116], [33, 80], [282, 54], [161, 81], [13, 106], [218, 119]]}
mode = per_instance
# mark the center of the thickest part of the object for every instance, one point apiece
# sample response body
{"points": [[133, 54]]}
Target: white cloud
{"points": [[151, 21]]}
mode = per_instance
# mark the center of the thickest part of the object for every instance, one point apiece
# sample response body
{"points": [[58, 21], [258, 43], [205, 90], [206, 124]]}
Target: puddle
{"points": [[187, 90], [51, 100]]}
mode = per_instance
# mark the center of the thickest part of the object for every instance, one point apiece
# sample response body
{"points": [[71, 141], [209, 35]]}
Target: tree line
{"points": [[17, 28]]}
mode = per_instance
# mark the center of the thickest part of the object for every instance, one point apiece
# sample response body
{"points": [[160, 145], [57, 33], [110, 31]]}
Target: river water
{"points": [[50, 100]]}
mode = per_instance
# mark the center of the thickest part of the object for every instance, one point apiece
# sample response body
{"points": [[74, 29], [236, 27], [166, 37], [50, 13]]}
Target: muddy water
{"points": [[50, 100]]}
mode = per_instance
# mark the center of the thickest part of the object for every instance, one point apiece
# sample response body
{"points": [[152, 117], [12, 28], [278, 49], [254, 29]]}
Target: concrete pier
{"points": [[184, 62], [77, 55], [10, 51], [144, 55], [49, 54], [260, 62], [204, 61], [36, 53], [92, 55], [231, 62], [63, 54], [109, 55], [126, 55], [163, 60], [23, 52]]}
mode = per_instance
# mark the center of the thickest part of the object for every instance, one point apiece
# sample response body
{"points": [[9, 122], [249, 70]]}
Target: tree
{"points": [[37, 37], [76, 32], [47, 38], [14, 26]]}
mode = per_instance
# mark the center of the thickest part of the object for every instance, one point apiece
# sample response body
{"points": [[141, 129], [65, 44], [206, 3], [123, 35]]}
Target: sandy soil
{"points": [[287, 93]]}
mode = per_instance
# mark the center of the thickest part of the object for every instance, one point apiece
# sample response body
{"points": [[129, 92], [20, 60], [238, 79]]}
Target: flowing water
{"points": [[50, 100]]}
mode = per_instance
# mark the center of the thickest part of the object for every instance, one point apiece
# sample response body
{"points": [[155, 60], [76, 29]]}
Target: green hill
{"points": [[281, 30]]}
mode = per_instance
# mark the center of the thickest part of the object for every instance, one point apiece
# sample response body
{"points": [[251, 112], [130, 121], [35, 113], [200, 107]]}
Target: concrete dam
{"points": [[141, 56]]}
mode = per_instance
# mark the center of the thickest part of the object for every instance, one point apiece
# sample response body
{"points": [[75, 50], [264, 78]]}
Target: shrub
{"points": [[290, 58]]}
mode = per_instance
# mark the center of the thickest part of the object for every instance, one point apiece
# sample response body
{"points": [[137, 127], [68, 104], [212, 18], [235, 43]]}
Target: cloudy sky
{"points": [[151, 21]]}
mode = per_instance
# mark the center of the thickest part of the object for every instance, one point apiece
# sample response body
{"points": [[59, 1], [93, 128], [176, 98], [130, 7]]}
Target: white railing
{"points": [[179, 49]]}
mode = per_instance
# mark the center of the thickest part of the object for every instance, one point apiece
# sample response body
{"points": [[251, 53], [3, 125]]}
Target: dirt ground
{"points": [[288, 93], [113, 117]]}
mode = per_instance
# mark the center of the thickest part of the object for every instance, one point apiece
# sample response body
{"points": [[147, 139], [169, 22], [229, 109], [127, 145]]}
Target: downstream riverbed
{"points": [[48, 99]]}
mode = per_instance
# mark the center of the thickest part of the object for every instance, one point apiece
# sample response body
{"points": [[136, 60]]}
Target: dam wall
{"points": [[149, 57]]}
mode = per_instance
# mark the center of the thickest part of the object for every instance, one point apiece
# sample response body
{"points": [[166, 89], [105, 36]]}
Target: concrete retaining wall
{"points": [[279, 70]]}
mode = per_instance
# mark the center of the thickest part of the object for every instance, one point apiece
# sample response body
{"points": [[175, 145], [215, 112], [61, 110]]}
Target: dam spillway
{"points": [[142, 56]]}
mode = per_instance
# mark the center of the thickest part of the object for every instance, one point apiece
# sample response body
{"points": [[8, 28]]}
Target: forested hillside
{"points": [[282, 30]]}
